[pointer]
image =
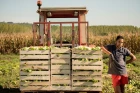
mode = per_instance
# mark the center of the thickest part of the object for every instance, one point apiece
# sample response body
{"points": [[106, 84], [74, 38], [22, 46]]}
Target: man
{"points": [[117, 63]]}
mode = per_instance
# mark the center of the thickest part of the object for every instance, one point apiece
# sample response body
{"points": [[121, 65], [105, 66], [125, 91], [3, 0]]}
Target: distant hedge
{"points": [[15, 27], [102, 30]]}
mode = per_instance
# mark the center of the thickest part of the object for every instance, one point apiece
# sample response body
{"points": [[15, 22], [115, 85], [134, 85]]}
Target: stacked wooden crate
{"points": [[60, 69], [34, 70], [86, 70]]}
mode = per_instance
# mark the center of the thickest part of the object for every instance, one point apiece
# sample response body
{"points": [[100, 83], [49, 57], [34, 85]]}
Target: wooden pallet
{"points": [[86, 70], [34, 70]]}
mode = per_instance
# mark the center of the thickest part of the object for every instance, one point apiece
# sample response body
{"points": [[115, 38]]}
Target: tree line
{"points": [[96, 30]]}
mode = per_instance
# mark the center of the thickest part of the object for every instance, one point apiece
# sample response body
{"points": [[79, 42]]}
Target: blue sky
{"points": [[101, 12]]}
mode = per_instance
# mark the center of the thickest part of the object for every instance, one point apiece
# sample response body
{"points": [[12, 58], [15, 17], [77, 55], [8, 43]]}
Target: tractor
{"points": [[63, 68]]}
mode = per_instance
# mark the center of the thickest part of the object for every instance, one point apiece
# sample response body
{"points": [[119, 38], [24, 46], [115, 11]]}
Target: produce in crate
{"points": [[41, 48], [87, 48], [36, 48]]}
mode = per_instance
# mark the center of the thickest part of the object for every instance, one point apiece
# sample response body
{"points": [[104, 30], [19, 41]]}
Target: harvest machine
{"points": [[61, 12], [60, 69]]}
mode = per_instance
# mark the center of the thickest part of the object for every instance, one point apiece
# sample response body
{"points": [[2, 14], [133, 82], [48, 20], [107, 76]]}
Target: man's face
{"points": [[119, 43]]}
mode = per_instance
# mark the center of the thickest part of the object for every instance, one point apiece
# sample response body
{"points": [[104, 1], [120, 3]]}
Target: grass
{"points": [[9, 74], [9, 71]]}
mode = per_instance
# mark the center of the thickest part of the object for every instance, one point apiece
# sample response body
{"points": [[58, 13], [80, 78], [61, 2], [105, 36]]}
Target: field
{"points": [[9, 74], [20, 35], [12, 39], [11, 43]]}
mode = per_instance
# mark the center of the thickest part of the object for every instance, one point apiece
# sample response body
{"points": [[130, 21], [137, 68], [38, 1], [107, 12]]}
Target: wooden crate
{"points": [[86, 70], [34, 70], [60, 69]]}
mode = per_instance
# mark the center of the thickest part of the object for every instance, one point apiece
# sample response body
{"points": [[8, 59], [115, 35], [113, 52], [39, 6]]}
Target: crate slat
{"points": [[60, 61], [35, 77], [35, 73], [34, 57], [87, 88], [77, 62], [34, 51], [36, 88], [87, 56], [86, 73], [34, 62], [87, 67], [35, 83], [87, 78], [60, 50], [58, 71], [86, 83], [36, 67], [60, 88], [77, 51], [60, 56], [60, 77], [60, 82], [60, 67]]}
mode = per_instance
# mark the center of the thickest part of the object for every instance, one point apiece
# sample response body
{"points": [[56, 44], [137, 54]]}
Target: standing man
{"points": [[117, 63]]}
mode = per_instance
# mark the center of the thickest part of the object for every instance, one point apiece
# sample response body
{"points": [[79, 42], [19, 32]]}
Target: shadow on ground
{"points": [[16, 90], [10, 90]]}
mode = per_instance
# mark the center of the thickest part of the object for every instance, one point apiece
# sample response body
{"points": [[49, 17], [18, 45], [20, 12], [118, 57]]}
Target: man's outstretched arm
{"points": [[105, 50]]}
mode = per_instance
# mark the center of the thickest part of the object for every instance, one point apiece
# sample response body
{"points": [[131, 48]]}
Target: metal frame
{"points": [[73, 32]]}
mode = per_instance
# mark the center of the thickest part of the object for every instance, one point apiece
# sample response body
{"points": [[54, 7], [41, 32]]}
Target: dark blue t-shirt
{"points": [[117, 60]]}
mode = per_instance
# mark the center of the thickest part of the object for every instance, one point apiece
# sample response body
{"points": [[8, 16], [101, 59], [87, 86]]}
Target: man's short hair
{"points": [[119, 37]]}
